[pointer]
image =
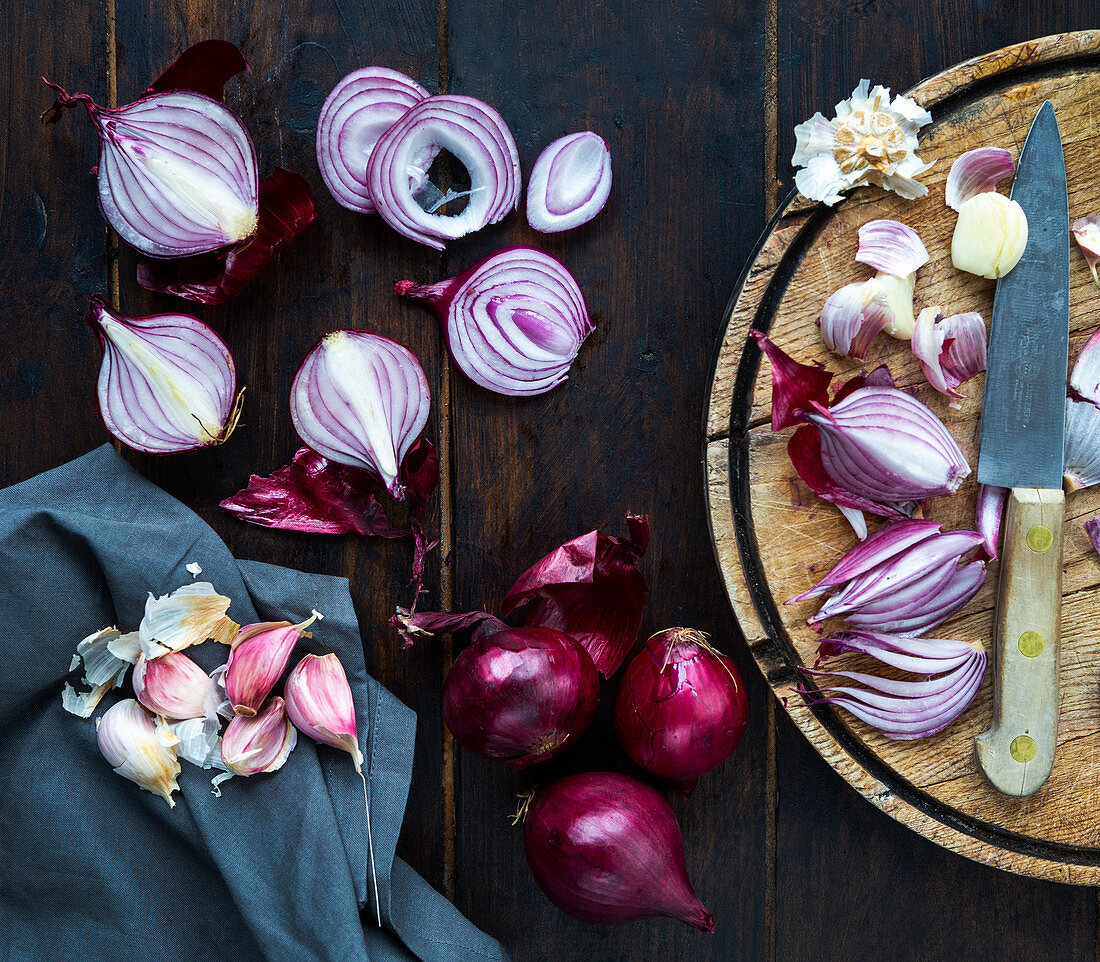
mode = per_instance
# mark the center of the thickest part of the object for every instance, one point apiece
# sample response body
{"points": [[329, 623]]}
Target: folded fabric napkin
{"points": [[94, 868]]}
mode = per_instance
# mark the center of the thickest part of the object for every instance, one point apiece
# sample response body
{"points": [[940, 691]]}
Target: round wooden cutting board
{"points": [[774, 538]]}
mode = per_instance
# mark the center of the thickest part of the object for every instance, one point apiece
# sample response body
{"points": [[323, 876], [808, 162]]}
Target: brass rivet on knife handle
{"points": [[1017, 752]]}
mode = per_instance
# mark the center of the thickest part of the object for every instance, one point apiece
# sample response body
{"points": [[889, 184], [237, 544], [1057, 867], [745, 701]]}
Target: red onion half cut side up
{"points": [[569, 183], [167, 383], [361, 399], [514, 322], [606, 848], [358, 111], [477, 136]]}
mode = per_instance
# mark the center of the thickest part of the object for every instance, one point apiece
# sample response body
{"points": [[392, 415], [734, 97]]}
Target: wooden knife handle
{"points": [[1017, 752]]}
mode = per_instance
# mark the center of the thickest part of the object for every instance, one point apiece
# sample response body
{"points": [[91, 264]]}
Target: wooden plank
{"points": [[339, 274], [54, 240], [656, 266]]}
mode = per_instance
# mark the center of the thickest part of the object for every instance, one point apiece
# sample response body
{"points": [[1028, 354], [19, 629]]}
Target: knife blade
{"points": [[1021, 448]]}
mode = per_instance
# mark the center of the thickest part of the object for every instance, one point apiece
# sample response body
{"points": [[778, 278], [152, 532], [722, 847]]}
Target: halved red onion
{"points": [[990, 510], [1081, 460], [361, 399], [1085, 376], [975, 172], [891, 247], [477, 136], [177, 172], [904, 709], [358, 111], [167, 382], [514, 321], [950, 349], [1086, 231], [569, 183]]}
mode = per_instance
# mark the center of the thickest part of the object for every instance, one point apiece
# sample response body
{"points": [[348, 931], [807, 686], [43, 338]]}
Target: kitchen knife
{"points": [[1022, 438]]}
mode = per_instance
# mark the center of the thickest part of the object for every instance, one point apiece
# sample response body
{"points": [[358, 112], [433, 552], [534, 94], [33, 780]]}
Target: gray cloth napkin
{"points": [[94, 868]]}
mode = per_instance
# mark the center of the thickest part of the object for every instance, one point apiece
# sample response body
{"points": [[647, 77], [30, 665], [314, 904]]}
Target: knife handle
{"points": [[1017, 752]]}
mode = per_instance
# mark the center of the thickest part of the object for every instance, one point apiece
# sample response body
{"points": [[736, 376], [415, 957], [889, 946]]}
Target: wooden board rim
{"points": [[733, 536]]}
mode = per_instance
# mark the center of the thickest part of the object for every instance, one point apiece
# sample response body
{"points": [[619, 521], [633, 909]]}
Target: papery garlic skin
{"points": [[965, 355], [103, 670], [990, 235], [853, 316], [260, 743], [1081, 459], [174, 686], [891, 247], [1086, 231], [258, 658], [139, 748], [871, 140], [974, 172], [319, 702], [188, 616]]}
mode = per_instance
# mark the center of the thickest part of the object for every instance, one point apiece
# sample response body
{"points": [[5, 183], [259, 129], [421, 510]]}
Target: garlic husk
{"points": [[258, 657], [884, 445], [990, 235], [174, 686], [1086, 231], [891, 247], [898, 295], [1085, 376], [199, 741], [1081, 460], [188, 616], [261, 743], [319, 702], [1092, 529], [140, 748], [167, 382], [853, 316], [975, 172], [103, 670], [361, 399], [946, 367]]}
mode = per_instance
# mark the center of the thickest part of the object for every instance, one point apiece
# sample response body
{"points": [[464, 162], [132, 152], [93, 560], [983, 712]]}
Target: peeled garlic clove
{"points": [[260, 743], [891, 247], [852, 317], [990, 235], [259, 656], [319, 702], [897, 292], [139, 748], [173, 686], [167, 383], [1086, 231], [976, 172], [188, 616]]}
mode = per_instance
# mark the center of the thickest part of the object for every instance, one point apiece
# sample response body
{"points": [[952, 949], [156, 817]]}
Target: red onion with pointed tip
{"points": [[606, 848], [682, 707]]}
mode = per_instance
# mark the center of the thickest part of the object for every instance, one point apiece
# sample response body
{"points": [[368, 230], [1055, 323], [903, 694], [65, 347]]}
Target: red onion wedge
{"points": [[606, 848], [682, 707], [903, 709], [167, 382], [514, 321], [569, 183], [360, 108], [990, 510], [477, 136], [361, 399], [975, 172], [591, 589]]}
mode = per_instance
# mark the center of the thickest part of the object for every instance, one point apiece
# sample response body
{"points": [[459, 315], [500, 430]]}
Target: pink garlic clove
{"points": [[258, 658], [319, 702], [260, 743], [174, 686], [139, 748]]}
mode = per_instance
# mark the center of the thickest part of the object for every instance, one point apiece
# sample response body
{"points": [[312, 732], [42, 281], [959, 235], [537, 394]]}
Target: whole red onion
{"points": [[606, 848], [520, 695], [682, 707]]}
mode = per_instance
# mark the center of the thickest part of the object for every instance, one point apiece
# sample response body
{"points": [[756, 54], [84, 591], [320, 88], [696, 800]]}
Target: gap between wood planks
{"points": [[110, 58]]}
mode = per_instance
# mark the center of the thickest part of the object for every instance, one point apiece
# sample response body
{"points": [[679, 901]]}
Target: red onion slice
{"points": [[361, 399], [990, 510], [358, 111], [167, 382], [477, 136], [514, 322], [569, 183]]}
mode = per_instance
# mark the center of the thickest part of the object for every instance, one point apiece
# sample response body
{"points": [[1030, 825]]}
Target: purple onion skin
{"points": [[682, 708], [606, 848], [520, 695]]}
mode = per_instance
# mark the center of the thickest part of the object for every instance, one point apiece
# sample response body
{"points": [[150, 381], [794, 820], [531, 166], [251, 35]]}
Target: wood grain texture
{"points": [[808, 256]]}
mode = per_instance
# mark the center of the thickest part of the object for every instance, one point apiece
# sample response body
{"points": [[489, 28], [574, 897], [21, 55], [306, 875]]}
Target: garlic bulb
{"points": [[990, 235]]}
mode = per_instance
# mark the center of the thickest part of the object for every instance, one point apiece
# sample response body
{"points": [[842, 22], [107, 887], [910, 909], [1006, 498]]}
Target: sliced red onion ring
{"points": [[361, 399], [1081, 461], [975, 172], [569, 183], [167, 383], [990, 510], [891, 247], [360, 109], [471, 130], [514, 322], [177, 172]]}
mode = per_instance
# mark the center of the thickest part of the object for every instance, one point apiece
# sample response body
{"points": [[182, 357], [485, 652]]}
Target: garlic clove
{"points": [[259, 743], [259, 656], [891, 247], [140, 748], [319, 702], [173, 686], [990, 235], [853, 316], [1086, 231], [188, 616], [897, 293], [976, 172]]}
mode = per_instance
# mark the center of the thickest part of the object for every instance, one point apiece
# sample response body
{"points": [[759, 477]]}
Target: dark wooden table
{"points": [[698, 101]]}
